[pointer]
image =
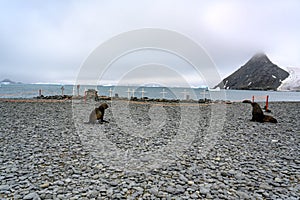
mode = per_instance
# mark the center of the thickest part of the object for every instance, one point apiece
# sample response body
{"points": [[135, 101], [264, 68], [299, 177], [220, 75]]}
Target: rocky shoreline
{"points": [[43, 154]]}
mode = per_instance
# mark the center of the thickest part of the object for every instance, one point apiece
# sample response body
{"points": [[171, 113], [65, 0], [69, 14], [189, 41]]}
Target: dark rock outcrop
{"points": [[259, 73], [55, 97]]}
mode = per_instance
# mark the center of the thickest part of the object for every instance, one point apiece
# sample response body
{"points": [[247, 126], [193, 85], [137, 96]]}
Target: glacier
{"points": [[292, 82]]}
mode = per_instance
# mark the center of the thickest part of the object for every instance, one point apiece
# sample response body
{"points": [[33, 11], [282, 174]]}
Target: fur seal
{"points": [[97, 114], [258, 115]]}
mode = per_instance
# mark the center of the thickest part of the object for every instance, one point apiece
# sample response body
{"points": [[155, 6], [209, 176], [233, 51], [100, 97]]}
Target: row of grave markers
{"points": [[131, 93]]}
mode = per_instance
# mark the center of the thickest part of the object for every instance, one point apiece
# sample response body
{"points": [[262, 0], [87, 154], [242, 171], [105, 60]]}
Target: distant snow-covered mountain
{"points": [[8, 81], [292, 82]]}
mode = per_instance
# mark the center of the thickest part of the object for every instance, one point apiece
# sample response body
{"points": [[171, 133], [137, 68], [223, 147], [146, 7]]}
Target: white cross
{"points": [[110, 92], [185, 93], [163, 93], [128, 93], [143, 92], [204, 93]]}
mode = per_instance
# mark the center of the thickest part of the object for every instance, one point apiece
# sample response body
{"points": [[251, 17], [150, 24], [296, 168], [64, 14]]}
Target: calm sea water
{"points": [[32, 90]]}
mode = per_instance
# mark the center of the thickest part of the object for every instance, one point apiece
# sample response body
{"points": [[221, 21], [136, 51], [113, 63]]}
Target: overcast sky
{"points": [[47, 41]]}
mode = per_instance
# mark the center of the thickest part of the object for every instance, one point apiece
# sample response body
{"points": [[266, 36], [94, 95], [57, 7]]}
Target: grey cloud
{"points": [[49, 40]]}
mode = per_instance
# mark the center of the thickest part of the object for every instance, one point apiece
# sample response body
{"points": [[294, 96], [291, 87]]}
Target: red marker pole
{"points": [[267, 102]]}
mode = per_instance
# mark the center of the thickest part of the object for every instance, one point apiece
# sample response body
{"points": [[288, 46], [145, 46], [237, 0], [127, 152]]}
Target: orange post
{"points": [[267, 102]]}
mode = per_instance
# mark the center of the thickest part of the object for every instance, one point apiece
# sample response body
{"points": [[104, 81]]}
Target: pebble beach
{"points": [[47, 152]]}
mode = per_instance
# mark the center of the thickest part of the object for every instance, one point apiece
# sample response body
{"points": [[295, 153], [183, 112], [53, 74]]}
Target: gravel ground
{"points": [[148, 151]]}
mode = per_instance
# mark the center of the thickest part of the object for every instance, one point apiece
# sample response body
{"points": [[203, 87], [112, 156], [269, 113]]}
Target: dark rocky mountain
{"points": [[259, 73]]}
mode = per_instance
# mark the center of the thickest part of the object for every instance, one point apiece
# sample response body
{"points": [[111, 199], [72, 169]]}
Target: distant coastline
{"points": [[32, 90], [9, 82]]}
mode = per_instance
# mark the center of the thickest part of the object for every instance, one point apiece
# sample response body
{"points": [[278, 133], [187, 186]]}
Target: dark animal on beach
{"points": [[97, 114], [258, 115]]}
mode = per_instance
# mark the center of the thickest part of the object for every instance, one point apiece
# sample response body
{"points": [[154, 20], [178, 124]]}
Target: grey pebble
{"points": [[171, 190], [4, 187], [114, 183], [179, 189], [204, 190], [183, 178], [68, 180], [109, 192], [154, 191], [93, 194], [33, 196], [194, 195], [243, 195], [265, 186], [60, 183]]}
